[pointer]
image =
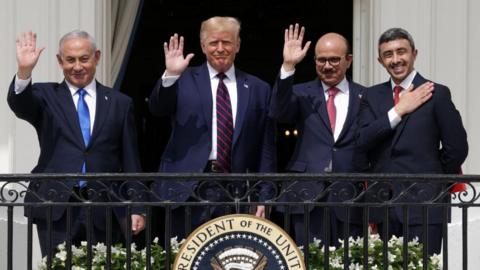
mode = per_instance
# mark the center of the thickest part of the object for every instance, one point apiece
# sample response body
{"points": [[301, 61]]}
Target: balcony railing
{"points": [[239, 192]]}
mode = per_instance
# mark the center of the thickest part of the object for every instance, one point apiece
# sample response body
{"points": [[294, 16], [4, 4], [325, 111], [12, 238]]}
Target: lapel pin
{"points": [[106, 98], [360, 96], [245, 85]]}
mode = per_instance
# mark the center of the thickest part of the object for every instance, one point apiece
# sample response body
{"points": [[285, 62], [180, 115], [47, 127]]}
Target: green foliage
{"points": [[118, 255], [375, 255]]}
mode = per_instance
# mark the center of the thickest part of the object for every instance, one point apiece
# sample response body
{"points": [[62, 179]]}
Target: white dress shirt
{"points": [[90, 97], [231, 82]]}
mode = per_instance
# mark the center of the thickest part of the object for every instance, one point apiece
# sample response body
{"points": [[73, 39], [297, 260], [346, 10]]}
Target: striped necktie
{"points": [[224, 125]]}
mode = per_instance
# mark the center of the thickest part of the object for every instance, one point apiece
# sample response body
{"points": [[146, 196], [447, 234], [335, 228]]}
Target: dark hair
{"points": [[394, 34]]}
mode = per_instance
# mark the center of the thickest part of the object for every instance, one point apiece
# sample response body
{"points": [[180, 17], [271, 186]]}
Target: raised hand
{"points": [[410, 100], [175, 62], [27, 54], [293, 52]]}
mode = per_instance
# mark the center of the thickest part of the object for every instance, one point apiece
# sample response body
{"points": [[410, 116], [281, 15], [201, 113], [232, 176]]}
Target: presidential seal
{"points": [[239, 242]]}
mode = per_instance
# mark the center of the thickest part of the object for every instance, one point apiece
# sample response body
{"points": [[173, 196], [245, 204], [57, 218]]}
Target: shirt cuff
{"points": [[21, 85], [394, 118], [168, 81], [285, 74]]}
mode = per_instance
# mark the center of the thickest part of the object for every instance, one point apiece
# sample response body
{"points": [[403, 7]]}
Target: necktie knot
{"points": [[81, 92], [221, 76], [332, 92]]}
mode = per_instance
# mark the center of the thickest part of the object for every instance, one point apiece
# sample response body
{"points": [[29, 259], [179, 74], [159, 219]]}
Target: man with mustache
{"points": [[82, 127], [220, 122], [409, 125], [324, 111]]}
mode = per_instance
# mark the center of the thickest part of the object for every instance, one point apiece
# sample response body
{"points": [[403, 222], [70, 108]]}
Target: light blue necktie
{"points": [[84, 119]]}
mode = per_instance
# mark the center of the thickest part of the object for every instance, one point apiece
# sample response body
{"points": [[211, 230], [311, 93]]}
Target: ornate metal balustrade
{"points": [[237, 192]]}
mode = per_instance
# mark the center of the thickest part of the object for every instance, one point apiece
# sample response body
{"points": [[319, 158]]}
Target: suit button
{"points": [[334, 149]]}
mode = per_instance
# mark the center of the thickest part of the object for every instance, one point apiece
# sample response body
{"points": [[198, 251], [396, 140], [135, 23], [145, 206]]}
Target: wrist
{"points": [[24, 74], [288, 66]]}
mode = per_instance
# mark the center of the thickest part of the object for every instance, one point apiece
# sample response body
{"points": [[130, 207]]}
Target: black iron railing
{"points": [[135, 193]]}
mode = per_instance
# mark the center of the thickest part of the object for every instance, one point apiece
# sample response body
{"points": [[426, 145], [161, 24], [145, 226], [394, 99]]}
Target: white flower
{"points": [[62, 255], [155, 241]]}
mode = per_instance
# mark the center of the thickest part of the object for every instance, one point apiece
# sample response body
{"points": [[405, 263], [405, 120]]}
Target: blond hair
{"points": [[220, 24]]}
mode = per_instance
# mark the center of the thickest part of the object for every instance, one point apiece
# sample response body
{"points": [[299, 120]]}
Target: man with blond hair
{"points": [[219, 119]]}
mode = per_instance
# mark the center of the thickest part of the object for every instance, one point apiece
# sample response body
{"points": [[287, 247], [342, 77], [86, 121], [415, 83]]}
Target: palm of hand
{"points": [[175, 61], [292, 51], [27, 56]]}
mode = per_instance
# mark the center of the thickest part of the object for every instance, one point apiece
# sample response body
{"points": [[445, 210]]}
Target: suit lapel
{"points": [[353, 106], [315, 93], [243, 95], [202, 82], [69, 110], [102, 106], [417, 81]]}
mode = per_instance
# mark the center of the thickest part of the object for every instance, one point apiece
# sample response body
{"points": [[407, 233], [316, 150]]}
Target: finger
{"points": [[302, 34], [165, 48], [34, 40], [170, 43], [306, 47], [39, 51], [18, 43], [24, 39], [29, 38], [295, 32], [290, 32], [180, 46], [175, 41], [285, 36], [189, 57]]}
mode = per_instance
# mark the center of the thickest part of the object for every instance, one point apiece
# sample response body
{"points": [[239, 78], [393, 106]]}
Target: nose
{"points": [[220, 47], [77, 65], [395, 58]]}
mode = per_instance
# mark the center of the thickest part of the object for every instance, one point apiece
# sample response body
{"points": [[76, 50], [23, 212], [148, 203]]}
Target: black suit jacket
{"points": [[431, 139], [49, 108], [316, 151]]}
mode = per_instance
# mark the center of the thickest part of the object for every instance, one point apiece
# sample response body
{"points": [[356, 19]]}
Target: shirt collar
{"points": [[230, 73], [342, 86], [91, 88], [406, 82]]}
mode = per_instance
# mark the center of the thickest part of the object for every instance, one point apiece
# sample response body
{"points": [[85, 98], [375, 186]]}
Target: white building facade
{"points": [[443, 30]]}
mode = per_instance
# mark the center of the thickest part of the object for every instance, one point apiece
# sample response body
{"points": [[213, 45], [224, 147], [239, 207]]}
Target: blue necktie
{"points": [[84, 119]]}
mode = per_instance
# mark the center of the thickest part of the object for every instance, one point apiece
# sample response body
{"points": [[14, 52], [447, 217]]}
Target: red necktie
{"points": [[396, 94], [332, 111], [224, 125]]}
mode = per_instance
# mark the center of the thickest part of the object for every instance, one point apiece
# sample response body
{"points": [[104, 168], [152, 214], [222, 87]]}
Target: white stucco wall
{"points": [[444, 32]]}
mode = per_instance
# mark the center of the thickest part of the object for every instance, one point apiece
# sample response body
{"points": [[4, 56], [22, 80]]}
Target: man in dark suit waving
{"points": [[219, 118], [410, 125], [324, 111], [82, 126]]}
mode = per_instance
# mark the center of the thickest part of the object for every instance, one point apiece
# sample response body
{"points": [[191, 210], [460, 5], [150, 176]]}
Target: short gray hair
{"points": [[77, 34], [395, 34]]}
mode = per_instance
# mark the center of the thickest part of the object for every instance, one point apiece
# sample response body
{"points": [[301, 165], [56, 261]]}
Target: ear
{"points": [[97, 56], [238, 45], [59, 59]]}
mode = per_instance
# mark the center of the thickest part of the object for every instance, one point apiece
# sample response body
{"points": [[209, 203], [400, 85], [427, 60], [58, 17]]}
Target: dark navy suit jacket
{"points": [[50, 109], [316, 150], [429, 140], [189, 104]]}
